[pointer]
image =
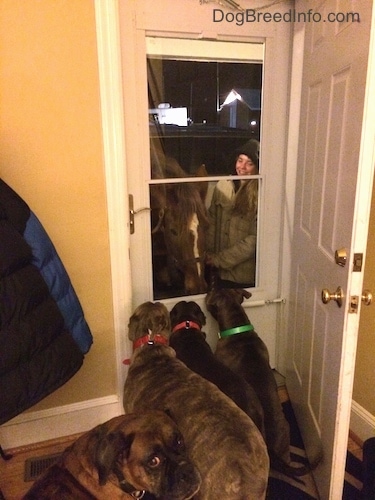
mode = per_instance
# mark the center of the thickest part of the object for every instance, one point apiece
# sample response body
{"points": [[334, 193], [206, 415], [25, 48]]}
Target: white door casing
{"points": [[333, 189]]}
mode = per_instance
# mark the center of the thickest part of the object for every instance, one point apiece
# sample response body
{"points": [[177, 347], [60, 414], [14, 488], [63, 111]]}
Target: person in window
{"points": [[232, 235]]}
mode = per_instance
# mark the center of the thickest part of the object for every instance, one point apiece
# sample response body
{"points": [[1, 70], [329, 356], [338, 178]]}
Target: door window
{"points": [[204, 125]]}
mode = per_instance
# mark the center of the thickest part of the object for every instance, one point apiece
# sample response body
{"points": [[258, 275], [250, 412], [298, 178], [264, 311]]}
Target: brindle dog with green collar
{"points": [[243, 351], [189, 341], [222, 441]]}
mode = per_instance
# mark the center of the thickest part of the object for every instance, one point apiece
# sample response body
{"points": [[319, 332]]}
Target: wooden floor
{"points": [[12, 482]]}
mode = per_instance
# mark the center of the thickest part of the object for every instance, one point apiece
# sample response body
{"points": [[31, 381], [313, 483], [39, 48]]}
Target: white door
{"points": [[334, 178]]}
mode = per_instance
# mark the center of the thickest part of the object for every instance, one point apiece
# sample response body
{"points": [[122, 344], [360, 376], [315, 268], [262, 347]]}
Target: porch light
{"points": [[231, 97]]}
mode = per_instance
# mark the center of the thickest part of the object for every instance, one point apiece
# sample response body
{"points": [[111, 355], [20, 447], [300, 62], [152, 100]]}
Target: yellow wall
{"points": [[364, 380], [51, 155]]}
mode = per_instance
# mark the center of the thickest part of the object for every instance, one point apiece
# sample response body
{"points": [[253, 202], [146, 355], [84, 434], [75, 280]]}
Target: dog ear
{"points": [[160, 321], [239, 294], [174, 312], [246, 294], [198, 312], [107, 452], [134, 325], [202, 317]]}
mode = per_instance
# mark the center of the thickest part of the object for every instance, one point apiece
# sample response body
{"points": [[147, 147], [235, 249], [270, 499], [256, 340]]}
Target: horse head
{"points": [[185, 226], [180, 216]]}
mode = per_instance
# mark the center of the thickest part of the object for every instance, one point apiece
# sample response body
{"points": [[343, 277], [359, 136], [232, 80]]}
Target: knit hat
{"points": [[251, 150]]}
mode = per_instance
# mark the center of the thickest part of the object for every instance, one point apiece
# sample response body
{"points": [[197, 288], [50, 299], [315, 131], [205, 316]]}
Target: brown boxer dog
{"points": [[130, 456], [189, 342], [243, 351], [222, 441]]}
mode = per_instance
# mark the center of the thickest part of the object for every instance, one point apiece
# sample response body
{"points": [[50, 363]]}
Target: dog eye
{"points": [[154, 461]]}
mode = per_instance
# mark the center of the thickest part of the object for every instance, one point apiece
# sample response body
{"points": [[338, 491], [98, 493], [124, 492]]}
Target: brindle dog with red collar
{"points": [[243, 351], [189, 342], [130, 456], [222, 441]]}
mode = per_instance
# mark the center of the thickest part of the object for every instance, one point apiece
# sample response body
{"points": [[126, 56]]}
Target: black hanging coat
{"points": [[43, 332]]}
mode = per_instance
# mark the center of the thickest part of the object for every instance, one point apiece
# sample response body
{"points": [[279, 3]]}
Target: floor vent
{"points": [[36, 465]]}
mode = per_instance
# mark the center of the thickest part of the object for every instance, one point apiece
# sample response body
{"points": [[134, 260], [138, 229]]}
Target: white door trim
{"points": [[114, 155], [290, 185]]}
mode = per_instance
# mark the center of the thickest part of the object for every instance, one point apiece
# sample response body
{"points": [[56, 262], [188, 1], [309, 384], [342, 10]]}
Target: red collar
{"points": [[186, 324], [150, 339], [147, 339]]}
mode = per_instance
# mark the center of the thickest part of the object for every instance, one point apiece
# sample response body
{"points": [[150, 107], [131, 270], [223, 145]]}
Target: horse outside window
{"points": [[179, 222]]}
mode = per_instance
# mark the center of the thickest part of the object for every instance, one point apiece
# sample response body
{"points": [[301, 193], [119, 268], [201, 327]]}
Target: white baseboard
{"points": [[34, 427], [362, 423]]}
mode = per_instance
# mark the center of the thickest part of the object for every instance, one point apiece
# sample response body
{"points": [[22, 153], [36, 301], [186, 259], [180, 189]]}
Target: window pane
{"points": [[192, 220], [204, 120], [200, 112]]}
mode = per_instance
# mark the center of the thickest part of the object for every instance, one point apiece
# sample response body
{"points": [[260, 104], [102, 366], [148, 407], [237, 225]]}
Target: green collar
{"points": [[236, 329]]}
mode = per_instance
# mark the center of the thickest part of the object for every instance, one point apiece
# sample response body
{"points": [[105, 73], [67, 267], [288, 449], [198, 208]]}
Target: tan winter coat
{"points": [[232, 238]]}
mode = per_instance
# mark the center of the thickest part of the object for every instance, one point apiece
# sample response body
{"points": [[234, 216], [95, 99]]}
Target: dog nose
{"points": [[187, 471]]}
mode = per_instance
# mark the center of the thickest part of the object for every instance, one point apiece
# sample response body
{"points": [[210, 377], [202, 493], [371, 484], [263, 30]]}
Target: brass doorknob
{"points": [[366, 297], [337, 296]]}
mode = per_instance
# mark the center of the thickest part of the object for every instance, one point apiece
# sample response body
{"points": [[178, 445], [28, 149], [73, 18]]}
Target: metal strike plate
{"points": [[353, 306], [357, 262]]}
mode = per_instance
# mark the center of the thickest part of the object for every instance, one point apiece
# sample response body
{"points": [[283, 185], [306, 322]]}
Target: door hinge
{"points": [[353, 306], [357, 262]]}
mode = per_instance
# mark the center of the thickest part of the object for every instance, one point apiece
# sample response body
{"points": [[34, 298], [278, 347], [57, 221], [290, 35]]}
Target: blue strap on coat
{"points": [[46, 259]]}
